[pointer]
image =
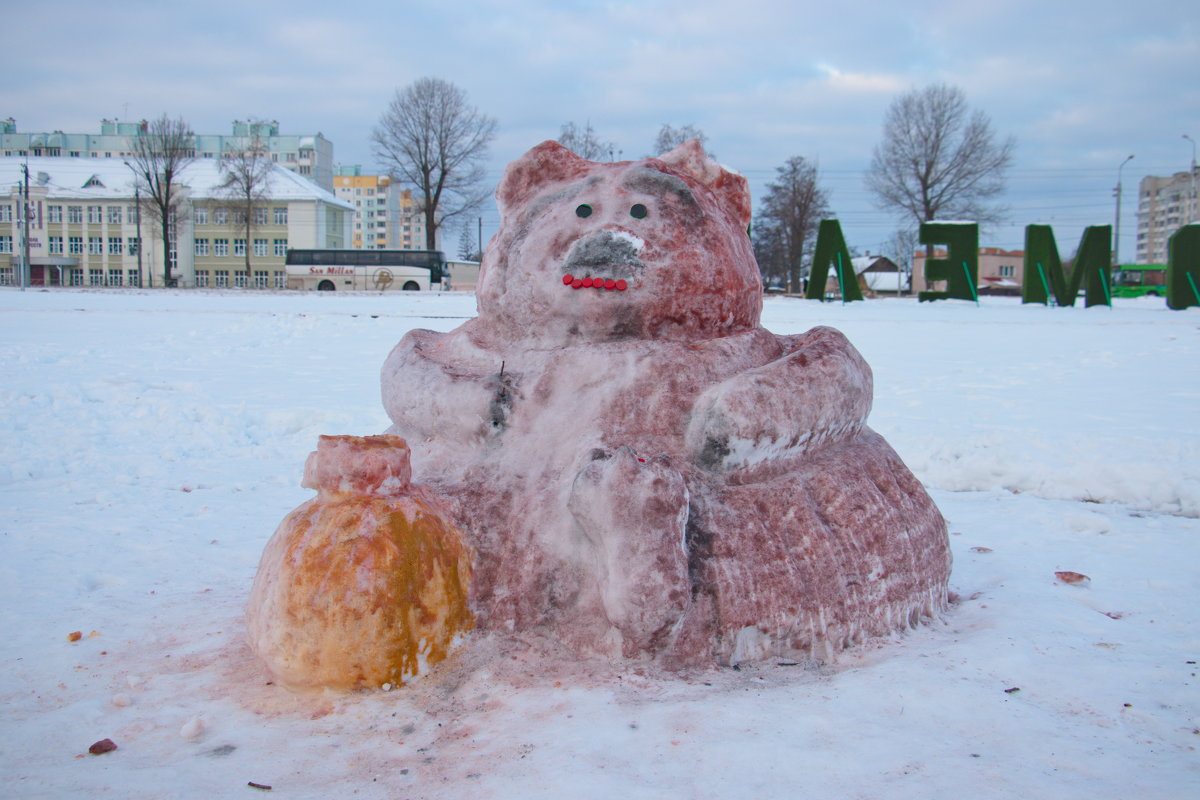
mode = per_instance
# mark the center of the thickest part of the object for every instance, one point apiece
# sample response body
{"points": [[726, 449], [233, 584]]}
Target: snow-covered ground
{"points": [[151, 442]]}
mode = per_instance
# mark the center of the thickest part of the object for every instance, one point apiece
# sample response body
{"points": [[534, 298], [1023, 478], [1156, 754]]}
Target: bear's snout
{"points": [[606, 254]]}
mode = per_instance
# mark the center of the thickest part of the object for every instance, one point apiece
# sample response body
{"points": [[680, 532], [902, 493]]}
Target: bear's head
{"points": [[594, 252]]}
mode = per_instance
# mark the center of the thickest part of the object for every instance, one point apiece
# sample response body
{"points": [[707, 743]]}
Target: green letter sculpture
{"points": [[960, 267], [1183, 268], [831, 250], [1044, 271]]}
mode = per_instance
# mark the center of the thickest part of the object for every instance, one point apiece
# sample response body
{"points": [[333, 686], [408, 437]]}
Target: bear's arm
{"points": [[819, 391], [437, 386]]}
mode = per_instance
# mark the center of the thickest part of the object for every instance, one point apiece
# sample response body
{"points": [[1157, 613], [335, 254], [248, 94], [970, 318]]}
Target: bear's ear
{"points": [[732, 189], [547, 163]]}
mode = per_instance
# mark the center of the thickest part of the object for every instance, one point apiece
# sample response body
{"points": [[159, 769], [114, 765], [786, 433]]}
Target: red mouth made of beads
{"points": [[608, 284]]}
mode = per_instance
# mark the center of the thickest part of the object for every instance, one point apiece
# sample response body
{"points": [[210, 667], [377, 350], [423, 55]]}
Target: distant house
{"points": [[879, 274], [1000, 271], [876, 275]]}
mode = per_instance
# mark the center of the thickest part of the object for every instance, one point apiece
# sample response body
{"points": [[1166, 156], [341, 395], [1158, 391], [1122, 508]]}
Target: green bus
{"points": [[1139, 280]]}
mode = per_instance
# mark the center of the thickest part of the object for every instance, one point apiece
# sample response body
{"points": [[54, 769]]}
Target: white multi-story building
{"points": [[1164, 205], [385, 216], [310, 155], [86, 227]]}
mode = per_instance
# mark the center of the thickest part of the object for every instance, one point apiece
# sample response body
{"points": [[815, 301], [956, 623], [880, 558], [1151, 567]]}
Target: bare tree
{"points": [[246, 179], [938, 159], [585, 144], [670, 137], [788, 219], [432, 139], [900, 248], [161, 152]]}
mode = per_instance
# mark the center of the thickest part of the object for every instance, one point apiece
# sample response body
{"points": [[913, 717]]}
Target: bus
{"points": [[365, 270], [1138, 280]]}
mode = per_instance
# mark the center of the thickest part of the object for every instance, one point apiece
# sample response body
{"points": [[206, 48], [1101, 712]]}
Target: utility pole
{"points": [[25, 271], [137, 209], [1117, 222], [1195, 216]]}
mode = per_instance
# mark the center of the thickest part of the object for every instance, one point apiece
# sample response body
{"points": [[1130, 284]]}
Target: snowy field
{"points": [[152, 441]]}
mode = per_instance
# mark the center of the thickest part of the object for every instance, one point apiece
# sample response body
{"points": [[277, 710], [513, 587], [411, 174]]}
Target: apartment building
{"points": [[310, 155], [1164, 205], [385, 216], [86, 227]]}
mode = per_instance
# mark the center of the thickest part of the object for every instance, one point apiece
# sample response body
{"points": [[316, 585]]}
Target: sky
{"points": [[1080, 85]]}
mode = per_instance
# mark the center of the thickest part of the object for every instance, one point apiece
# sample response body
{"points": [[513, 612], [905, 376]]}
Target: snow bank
{"points": [[151, 443]]}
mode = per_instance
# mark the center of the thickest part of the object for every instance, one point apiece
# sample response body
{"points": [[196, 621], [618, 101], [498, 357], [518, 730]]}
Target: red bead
{"points": [[587, 283], [598, 283], [610, 284], [575, 284], [622, 286], [568, 279]]}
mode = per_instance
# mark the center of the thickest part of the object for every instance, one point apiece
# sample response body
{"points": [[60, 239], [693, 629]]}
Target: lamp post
{"points": [[137, 209], [1117, 221], [1194, 217]]}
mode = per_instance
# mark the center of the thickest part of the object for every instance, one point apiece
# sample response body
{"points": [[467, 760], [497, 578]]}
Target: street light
{"points": [[1117, 222], [137, 209], [1194, 216]]}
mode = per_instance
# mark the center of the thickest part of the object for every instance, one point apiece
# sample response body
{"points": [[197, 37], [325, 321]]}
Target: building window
{"points": [[260, 216], [201, 279], [96, 277], [75, 214], [260, 248], [201, 215], [95, 245], [260, 279], [75, 245], [239, 247], [134, 215], [239, 217], [201, 247], [114, 277], [135, 277], [281, 247], [220, 216], [239, 280], [55, 214], [222, 278], [1006, 270], [280, 280], [280, 216], [6, 277], [77, 277], [135, 245], [56, 245], [6, 213], [6, 244], [114, 215], [220, 248], [95, 215], [115, 246]]}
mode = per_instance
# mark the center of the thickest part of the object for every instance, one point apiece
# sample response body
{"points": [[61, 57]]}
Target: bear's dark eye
{"points": [[583, 210], [638, 211]]}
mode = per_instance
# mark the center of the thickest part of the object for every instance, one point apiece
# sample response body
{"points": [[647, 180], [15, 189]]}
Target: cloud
{"points": [[862, 81]]}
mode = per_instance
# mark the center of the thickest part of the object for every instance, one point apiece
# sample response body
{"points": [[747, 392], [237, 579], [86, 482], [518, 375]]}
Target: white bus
{"points": [[365, 270]]}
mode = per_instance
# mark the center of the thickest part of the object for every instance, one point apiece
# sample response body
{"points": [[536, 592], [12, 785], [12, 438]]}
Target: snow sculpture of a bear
{"points": [[641, 469]]}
